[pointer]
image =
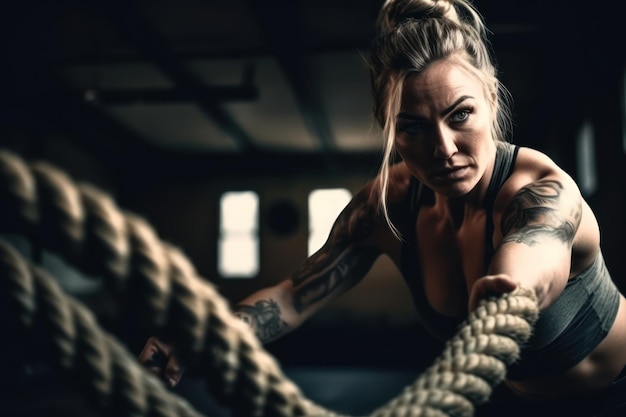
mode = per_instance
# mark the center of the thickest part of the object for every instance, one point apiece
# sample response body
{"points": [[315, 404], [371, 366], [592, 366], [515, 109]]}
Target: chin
{"points": [[455, 193], [454, 190]]}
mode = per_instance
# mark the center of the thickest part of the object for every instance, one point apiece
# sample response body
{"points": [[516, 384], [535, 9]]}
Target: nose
{"points": [[444, 143]]}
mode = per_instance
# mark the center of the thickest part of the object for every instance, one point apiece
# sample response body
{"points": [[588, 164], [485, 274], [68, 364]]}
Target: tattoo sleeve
{"points": [[341, 261], [349, 266], [264, 318], [539, 211]]}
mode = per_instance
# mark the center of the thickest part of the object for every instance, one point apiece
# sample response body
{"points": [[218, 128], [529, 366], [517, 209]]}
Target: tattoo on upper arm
{"points": [[347, 230], [537, 211], [264, 317], [340, 260], [350, 264]]}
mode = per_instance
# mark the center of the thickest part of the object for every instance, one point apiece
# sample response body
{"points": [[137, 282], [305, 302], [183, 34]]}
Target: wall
{"points": [[186, 215]]}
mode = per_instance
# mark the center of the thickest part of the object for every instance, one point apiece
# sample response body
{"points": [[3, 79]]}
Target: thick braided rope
{"points": [[110, 377], [473, 362], [83, 223]]}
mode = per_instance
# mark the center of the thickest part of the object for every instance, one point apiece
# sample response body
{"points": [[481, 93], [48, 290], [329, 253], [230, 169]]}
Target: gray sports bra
{"points": [[565, 333]]}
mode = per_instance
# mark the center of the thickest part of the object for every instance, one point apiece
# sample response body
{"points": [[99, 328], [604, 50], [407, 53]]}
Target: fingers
{"points": [[155, 354], [160, 359], [173, 372], [156, 362], [489, 286], [499, 285]]}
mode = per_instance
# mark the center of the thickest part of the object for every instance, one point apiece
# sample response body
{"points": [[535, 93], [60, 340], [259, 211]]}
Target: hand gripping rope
{"points": [[83, 225]]}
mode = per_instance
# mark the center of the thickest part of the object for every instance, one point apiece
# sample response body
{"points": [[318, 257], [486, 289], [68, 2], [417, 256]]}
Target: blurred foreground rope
{"points": [[84, 226]]}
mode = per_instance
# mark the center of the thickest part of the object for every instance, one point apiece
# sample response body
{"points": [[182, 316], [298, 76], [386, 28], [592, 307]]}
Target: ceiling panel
{"points": [[345, 90], [106, 76], [173, 126], [274, 120]]}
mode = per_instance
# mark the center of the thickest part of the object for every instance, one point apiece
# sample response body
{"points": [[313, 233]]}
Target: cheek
{"points": [[402, 146], [408, 148], [410, 155], [401, 141], [477, 139], [413, 157]]}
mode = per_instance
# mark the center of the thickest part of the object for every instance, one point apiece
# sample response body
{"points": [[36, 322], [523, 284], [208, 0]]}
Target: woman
{"points": [[464, 214]]}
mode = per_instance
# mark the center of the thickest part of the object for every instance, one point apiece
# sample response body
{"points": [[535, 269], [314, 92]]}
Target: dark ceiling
{"points": [[254, 86]]}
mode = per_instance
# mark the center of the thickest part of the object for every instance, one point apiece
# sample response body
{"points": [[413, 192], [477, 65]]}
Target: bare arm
{"points": [[538, 229], [272, 312], [341, 263]]}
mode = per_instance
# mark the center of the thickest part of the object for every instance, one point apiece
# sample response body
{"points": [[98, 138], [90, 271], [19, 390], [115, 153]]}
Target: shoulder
{"points": [[364, 218], [368, 198], [533, 166], [399, 183], [537, 181]]}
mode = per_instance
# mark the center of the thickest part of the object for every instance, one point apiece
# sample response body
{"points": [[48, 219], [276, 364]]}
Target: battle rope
{"points": [[110, 377], [84, 225]]}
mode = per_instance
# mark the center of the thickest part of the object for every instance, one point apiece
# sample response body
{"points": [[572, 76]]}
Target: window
{"points": [[624, 111], [238, 246], [586, 158], [324, 207]]}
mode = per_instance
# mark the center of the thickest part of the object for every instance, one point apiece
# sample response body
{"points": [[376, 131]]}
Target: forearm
{"points": [[269, 313], [276, 311], [340, 264], [544, 269]]}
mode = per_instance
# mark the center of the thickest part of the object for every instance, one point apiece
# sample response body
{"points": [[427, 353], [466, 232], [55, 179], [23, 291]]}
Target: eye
{"points": [[411, 129], [460, 116]]}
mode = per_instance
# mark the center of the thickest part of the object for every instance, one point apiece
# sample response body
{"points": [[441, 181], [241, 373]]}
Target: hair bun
{"points": [[394, 12]]}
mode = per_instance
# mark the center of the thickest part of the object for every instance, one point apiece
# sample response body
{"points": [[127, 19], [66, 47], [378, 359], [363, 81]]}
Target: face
{"points": [[443, 130]]}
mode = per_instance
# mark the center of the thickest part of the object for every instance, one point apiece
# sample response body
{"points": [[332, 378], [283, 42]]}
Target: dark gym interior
{"points": [[165, 105]]}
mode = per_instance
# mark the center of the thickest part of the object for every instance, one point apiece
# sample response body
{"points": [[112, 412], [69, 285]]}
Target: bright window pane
{"points": [[239, 211], [586, 157], [239, 257], [324, 207], [624, 111], [238, 248]]}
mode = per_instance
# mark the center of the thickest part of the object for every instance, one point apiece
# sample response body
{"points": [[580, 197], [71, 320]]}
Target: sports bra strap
{"points": [[502, 170]]}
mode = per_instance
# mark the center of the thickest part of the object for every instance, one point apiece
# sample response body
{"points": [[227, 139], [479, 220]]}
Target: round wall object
{"points": [[283, 218]]}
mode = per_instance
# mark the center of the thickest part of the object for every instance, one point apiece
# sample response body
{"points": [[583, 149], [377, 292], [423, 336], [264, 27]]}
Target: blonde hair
{"points": [[413, 34]]}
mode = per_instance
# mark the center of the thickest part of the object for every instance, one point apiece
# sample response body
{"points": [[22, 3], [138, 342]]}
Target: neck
{"points": [[461, 207]]}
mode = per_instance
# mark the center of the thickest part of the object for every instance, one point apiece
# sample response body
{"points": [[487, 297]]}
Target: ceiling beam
{"points": [[279, 21], [128, 19], [198, 166], [160, 96]]}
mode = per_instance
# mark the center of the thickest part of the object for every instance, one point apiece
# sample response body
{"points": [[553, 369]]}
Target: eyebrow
{"points": [[461, 99]]}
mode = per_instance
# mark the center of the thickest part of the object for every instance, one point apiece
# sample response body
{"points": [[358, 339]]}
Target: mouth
{"points": [[451, 173]]}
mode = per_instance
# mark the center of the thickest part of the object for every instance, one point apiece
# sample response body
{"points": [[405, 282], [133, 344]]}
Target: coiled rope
{"points": [[84, 225]]}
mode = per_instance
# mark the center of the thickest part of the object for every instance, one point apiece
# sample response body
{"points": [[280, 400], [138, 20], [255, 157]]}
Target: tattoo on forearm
{"points": [[264, 317], [347, 231], [534, 214], [352, 263], [341, 259]]}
